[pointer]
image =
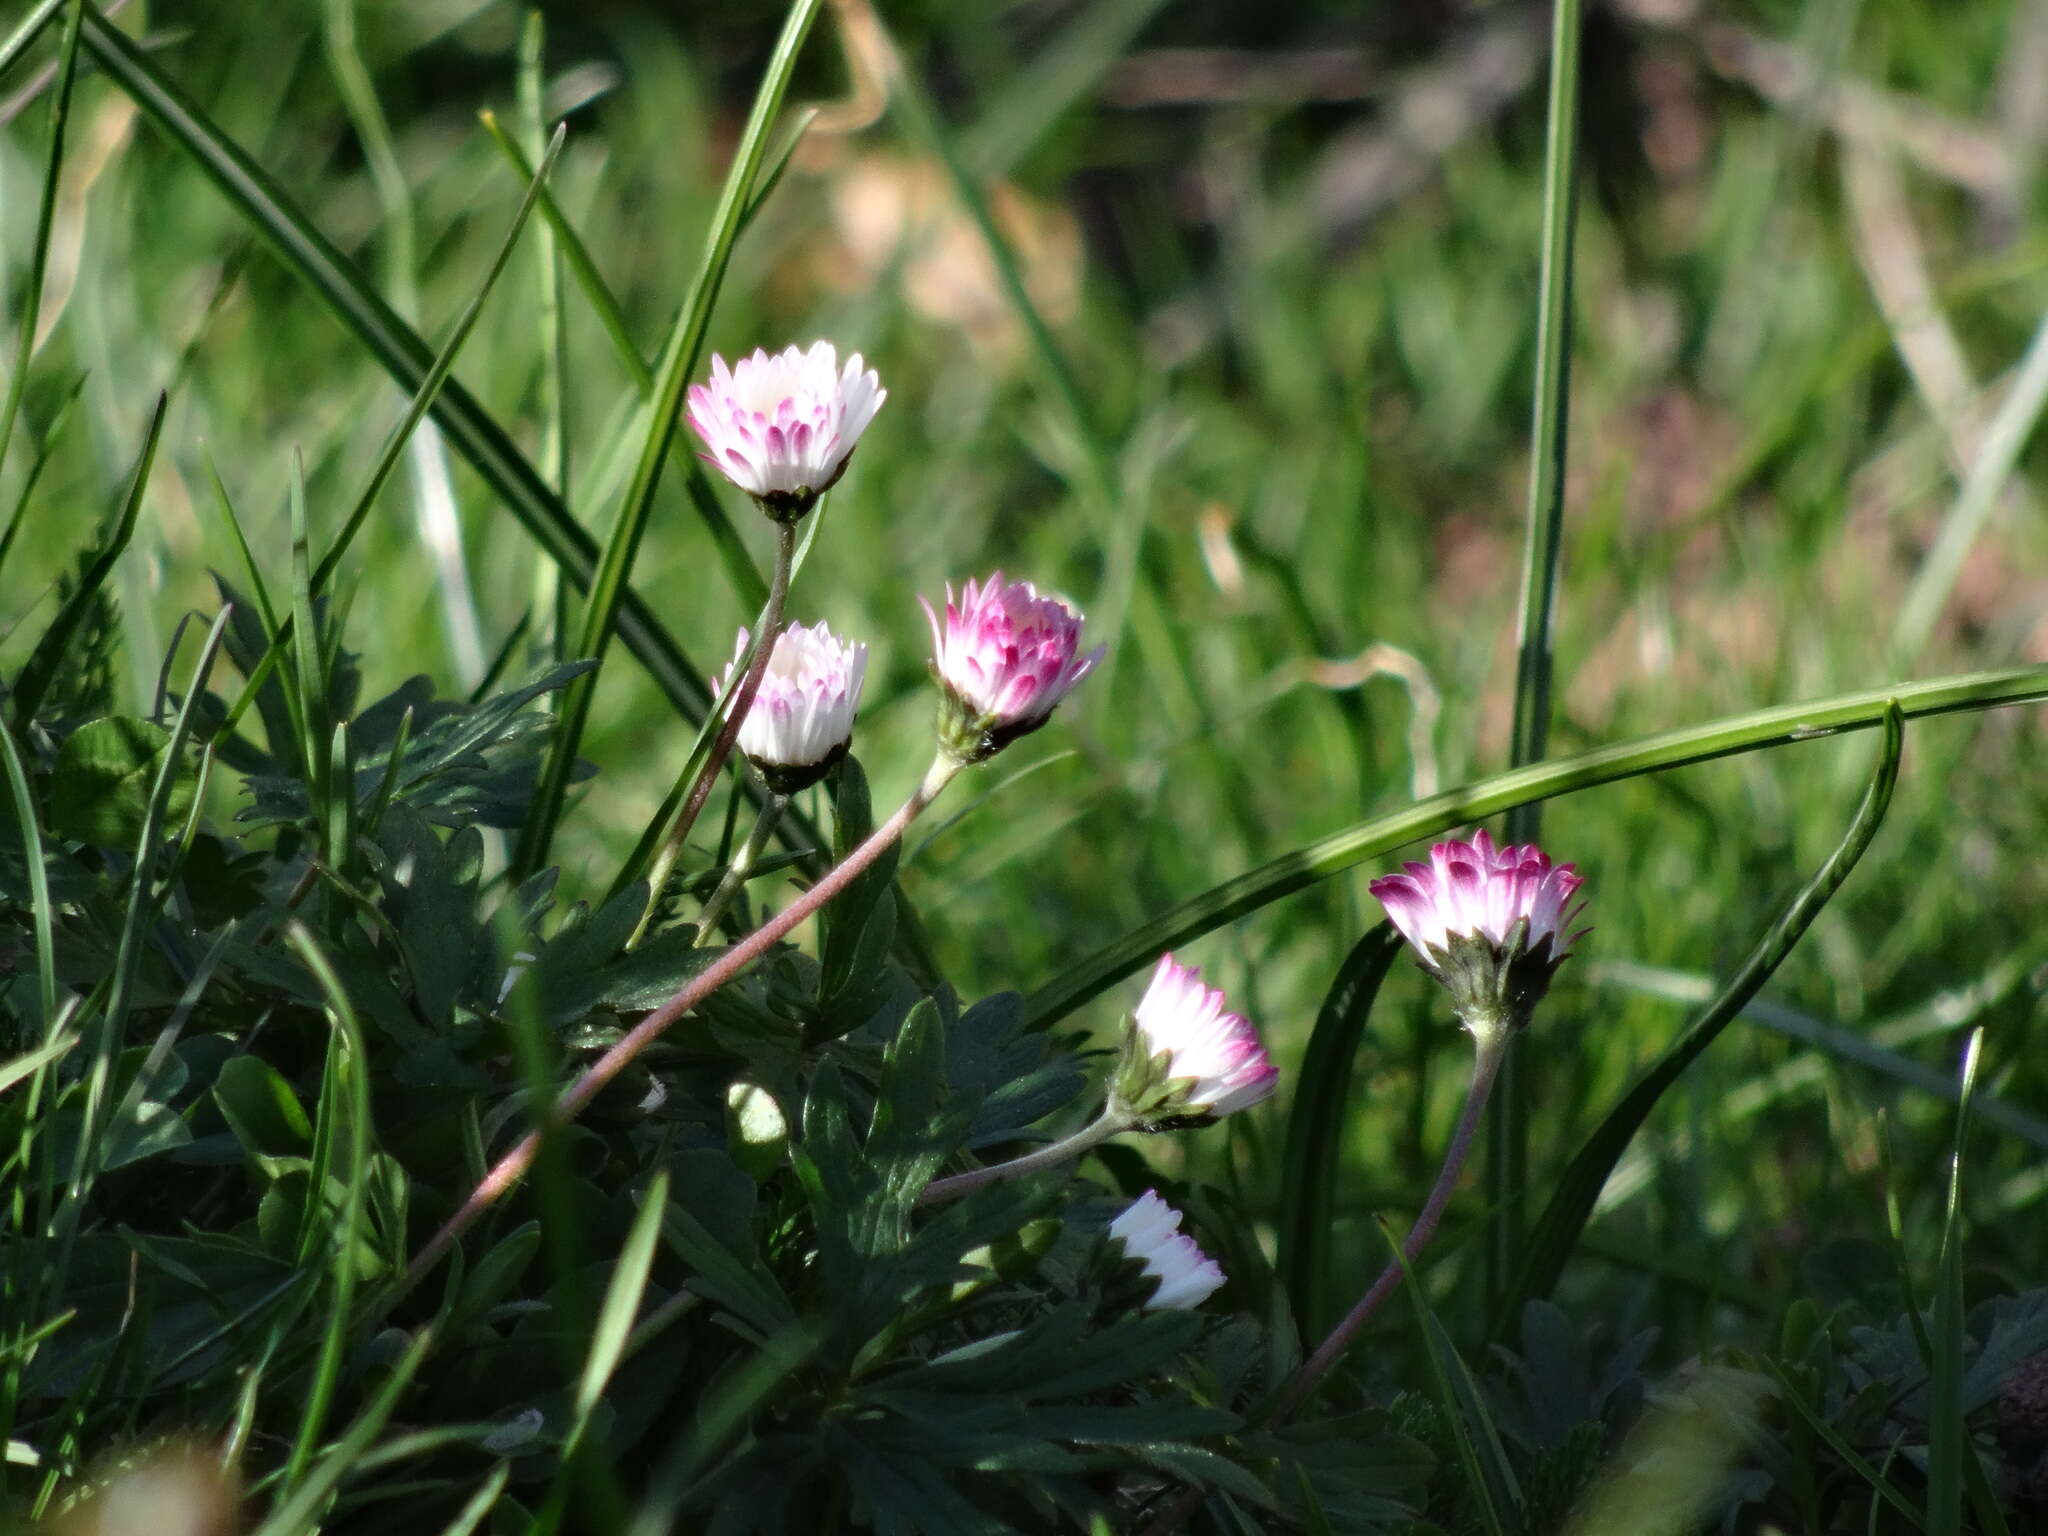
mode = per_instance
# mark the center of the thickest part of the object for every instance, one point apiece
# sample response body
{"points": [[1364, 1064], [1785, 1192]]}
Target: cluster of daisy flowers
{"points": [[1490, 923]]}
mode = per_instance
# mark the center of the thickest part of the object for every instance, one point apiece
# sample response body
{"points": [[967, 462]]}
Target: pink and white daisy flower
{"points": [[1005, 655], [802, 716], [1215, 1063], [1149, 1230], [782, 427], [1489, 922]]}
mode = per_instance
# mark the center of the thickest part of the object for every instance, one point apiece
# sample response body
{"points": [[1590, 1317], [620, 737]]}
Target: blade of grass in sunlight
{"points": [[1544, 1252], [1505, 1166]]}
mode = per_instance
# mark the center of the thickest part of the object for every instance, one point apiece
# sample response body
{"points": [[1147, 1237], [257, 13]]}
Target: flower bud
{"points": [[1489, 923], [1186, 1061], [1182, 1276], [1004, 657], [781, 428], [802, 716]]}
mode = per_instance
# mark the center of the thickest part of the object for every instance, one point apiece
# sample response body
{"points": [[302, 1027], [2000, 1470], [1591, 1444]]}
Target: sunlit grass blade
{"points": [[1489, 1480], [1343, 850], [344, 1096], [1311, 1163], [39, 259], [1997, 455], [23, 37], [678, 360], [388, 457], [35, 676], [746, 579], [614, 1326], [1507, 1133], [299, 1514], [42, 912], [397, 347], [1549, 1245]]}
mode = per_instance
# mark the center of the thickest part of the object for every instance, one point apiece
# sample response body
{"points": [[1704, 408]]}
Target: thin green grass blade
{"points": [[251, 571], [679, 360], [1551, 1241], [23, 37], [1506, 1166], [552, 332], [1948, 1431], [1309, 1168], [397, 347], [33, 681], [344, 1094], [46, 211], [1997, 455], [43, 914], [1880, 1485], [1041, 92], [142, 903], [34, 1061], [614, 1326], [44, 450], [747, 582], [393, 451], [298, 1515], [472, 1514], [1343, 850], [776, 165], [1488, 1478]]}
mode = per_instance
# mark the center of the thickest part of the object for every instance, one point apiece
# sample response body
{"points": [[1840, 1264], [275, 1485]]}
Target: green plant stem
{"points": [[1507, 1143], [513, 1165], [1113, 1121], [1486, 1065], [742, 866], [729, 728]]}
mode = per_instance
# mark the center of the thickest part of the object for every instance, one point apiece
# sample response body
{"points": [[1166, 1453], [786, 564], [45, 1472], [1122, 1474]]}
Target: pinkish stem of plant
{"points": [[1485, 1068], [513, 1165]]}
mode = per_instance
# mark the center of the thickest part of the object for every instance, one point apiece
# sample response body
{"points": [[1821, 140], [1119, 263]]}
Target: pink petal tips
{"points": [[782, 427], [1213, 1063], [1489, 922], [802, 717], [1149, 1230], [1005, 656]]}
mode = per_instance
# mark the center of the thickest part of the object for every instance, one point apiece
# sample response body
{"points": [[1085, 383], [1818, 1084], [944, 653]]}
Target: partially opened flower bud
{"points": [[1149, 1231], [1004, 657], [802, 716], [782, 427], [1186, 1060], [1487, 922]]}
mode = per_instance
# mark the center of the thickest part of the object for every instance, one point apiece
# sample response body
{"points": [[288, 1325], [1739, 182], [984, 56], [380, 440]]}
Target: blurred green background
{"points": [[1285, 258]]}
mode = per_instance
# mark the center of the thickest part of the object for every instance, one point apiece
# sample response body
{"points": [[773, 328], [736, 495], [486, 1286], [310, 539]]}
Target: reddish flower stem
{"points": [[513, 1165], [1485, 1069]]}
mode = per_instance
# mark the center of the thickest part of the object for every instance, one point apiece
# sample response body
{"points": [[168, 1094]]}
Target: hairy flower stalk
{"points": [[513, 1165], [782, 427], [510, 1168], [1185, 1062], [1489, 924], [1181, 1276], [1004, 656]]}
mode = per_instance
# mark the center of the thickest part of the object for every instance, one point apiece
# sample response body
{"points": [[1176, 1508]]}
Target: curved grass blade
{"points": [[38, 885], [1948, 1432], [1315, 1125], [469, 428], [1343, 850], [1578, 1188], [39, 261], [679, 359], [349, 1100], [37, 672]]}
